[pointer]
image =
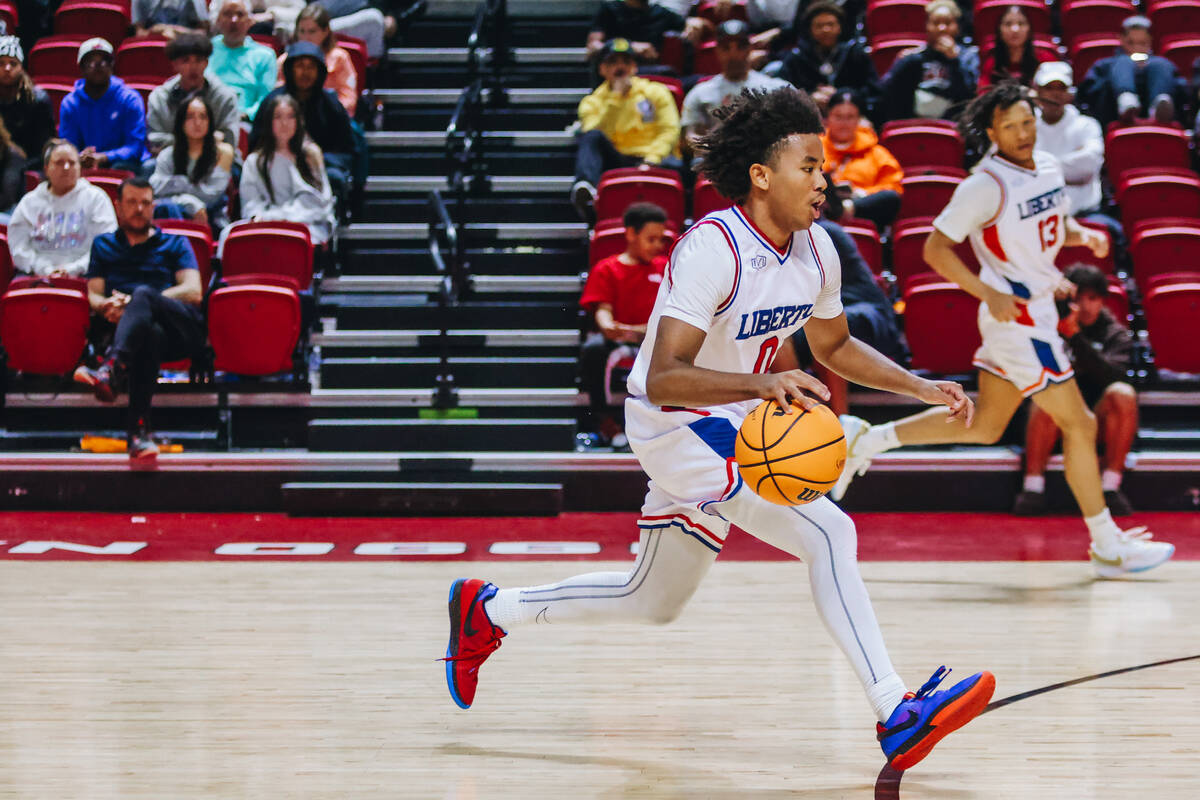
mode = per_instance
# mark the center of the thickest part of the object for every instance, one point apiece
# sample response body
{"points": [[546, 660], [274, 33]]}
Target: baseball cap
{"points": [[96, 45], [615, 47], [1050, 71], [733, 29]]}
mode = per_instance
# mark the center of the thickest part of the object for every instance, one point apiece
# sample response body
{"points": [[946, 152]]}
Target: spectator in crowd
{"points": [[733, 51], [169, 18], [865, 175], [313, 26], [1012, 56], [189, 54], [12, 174], [325, 119], [102, 116], [932, 80], [241, 63], [52, 227], [145, 283], [639, 22], [24, 108], [352, 17], [1101, 351], [619, 294], [191, 176], [284, 178], [821, 62], [1133, 81], [627, 121], [774, 24]]}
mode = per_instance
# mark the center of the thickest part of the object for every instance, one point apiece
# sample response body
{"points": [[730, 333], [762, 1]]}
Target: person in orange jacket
{"points": [[866, 176]]}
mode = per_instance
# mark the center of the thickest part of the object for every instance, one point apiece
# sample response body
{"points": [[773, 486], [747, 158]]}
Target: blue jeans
{"points": [[1153, 77]]}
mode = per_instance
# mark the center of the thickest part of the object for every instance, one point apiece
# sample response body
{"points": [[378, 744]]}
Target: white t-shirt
{"points": [[1077, 142], [716, 92], [726, 279]]}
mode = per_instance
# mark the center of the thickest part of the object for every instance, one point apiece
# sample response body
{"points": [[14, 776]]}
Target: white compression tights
{"points": [[671, 564]]}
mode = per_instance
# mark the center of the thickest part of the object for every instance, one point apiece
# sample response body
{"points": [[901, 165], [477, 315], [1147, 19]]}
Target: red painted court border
{"points": [[602, 536]]}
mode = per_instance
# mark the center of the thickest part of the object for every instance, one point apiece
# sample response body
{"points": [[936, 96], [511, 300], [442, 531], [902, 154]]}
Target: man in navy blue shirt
{"points": [[147, 284]]}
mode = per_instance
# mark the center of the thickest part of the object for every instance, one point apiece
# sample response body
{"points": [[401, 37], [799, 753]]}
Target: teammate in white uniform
{"points": [[739, 283], [1014, 211]]}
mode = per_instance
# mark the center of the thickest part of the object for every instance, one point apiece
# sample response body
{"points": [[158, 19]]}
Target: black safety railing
{"points": [[448, 255]]}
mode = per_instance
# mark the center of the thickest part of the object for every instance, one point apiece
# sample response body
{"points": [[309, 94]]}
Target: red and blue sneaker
{"points": [[473, 638], [923, 718]]}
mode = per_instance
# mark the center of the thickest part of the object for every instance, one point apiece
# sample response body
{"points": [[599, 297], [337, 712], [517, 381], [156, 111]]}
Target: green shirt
{"points": [[249, 70]]}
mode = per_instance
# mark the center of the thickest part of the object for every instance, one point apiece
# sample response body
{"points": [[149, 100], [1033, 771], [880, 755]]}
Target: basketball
{"points": [[790, 459]]}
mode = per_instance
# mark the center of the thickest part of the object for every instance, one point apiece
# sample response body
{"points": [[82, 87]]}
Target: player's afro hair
{"points": [[976, 118], [752, 129]]}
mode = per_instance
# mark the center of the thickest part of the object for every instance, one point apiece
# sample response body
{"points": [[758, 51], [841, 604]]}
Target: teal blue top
{"points": [[250, 70]]}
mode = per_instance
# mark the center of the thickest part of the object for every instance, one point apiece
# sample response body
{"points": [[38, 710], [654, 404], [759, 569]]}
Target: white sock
{"points": [[1110, 480], [1104, 531], [885, 695], [1035, 483], [504, 608], [878, 439]]}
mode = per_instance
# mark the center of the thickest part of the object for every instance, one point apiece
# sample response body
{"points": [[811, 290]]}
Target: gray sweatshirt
{"points": [[294, 199], [48, 233], [165, 100]]}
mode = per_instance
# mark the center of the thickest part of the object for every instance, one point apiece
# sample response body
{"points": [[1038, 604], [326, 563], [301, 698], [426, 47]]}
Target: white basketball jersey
{"points": [[726, 278], [1016, 248]]}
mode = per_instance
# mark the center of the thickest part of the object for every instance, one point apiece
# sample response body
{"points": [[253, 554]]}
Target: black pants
{"points": [[880, 207], [153, 329], [597, 154], [593, 360]]}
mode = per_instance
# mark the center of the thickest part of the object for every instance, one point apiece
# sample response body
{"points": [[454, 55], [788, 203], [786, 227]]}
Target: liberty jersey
{"points": [[727, 279]]}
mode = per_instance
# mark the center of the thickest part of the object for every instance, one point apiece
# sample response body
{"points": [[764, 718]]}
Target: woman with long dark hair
{"points": [[191, 176], [1012, 56], [284, 178]]}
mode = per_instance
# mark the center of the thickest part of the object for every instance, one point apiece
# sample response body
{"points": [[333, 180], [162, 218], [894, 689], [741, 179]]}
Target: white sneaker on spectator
{"points": [[583, 197]]}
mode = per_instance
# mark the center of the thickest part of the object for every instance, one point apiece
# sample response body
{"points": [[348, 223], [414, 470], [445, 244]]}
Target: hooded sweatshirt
{"points": [[324, 117], [49, 233], [115, 124], [865, 164]]}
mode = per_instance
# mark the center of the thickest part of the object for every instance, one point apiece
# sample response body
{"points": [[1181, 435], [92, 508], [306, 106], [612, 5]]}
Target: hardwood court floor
{"points": [[175, 681]]}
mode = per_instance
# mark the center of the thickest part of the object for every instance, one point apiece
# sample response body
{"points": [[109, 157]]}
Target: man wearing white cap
{"points": [[102, 116], [1072, 137]]}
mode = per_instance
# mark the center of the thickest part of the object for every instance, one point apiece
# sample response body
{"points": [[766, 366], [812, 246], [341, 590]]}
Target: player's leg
{"points": [[1117, 420], [998, 401], [1041, 434], [825, 538]]}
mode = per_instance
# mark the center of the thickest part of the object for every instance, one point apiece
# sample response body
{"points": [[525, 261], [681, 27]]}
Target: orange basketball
{"points": [[790, 459]]}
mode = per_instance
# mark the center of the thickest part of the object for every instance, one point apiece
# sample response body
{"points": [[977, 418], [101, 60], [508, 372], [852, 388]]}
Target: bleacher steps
{"points": [[423, 499], [348, 372], [381, 435]]}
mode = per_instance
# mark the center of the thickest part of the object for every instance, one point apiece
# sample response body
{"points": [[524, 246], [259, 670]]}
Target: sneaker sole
{"points": [[839, 489], [949, 718], [455, 605], [1116, 572]]}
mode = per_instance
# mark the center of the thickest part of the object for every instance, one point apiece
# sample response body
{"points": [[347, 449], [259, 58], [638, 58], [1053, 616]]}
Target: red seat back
{"points": [[1182, 51], [9, 16], [1170, 246], [673, 84], [1145, 146], [908, 250], [608, 239], [712, 11], [989, 12], [44, 329], [253, 328], [924, 146], [1087, 50], [281, 248], [926, 195], [866, 239], [1144, 194], [617, 192], [942, 327], [1172, 311], [109, 180], [1117, 300], [1092, 17], [705, 60], [1176, 16], [1080, 254], [146, 56], [898, 17], [143, 85], [267, 40], [199, 236], [706, 199], [55, 56], [885, 49], [56, 90], [6, 265], [90, 18]]}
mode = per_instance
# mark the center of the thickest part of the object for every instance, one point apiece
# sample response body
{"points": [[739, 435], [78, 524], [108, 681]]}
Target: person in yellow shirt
{"points": [[627, 121]]}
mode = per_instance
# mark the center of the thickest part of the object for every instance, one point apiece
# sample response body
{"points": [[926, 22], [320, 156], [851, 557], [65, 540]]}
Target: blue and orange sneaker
{"points": [[473, 638], [923, 718]]}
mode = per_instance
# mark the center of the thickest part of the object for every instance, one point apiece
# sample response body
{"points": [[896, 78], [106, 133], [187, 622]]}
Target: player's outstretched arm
{"points": [[832, 345], [673, 379]]}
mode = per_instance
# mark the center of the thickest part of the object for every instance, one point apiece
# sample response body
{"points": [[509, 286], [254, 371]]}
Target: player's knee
{"points": [[986, 432], [1121, 396], [1082, 424], [663, 612]]}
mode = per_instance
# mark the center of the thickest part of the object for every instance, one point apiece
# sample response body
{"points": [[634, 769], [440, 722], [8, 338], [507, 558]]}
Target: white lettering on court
{"points": [[410, 549], [274, 549], [111, 549]]}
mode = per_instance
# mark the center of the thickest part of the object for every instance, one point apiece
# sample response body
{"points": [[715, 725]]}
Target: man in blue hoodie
{"points": [[102, 116]]}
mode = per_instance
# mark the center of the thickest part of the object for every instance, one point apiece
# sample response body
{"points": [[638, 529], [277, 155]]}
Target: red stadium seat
{"points": [[1182, 51], [924, 146], [1145, 146], [898, 17], [1165, 278], [1147, 193], [1090, 17], [146, 55], [108, 179], [673, 84], [608, 239], [617, 192], [1043, 45], [55, 57], [10, 17], [1176, 16], [267, 40], [143, 85], [1117, 300], [706, 199], [989, 12], [1087, 50], [885, 49], [671, 52], [280, 248], [1172, 311], [705, 60], [711, 11], [90, 18], [199, 236], [44, 329], [253, 328], [357, 50], [1164, 246], [908, 250], [926, 195], [56, 90], [942, 327], [866, 239], [1080, 254], [6, 265], [908, 123]]}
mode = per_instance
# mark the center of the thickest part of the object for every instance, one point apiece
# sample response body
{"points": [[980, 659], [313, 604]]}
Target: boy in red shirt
{"points": [[620, 294]]}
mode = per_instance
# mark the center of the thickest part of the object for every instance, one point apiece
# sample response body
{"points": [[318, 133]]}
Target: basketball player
{"points": [[738, 284], [1013, 208]]}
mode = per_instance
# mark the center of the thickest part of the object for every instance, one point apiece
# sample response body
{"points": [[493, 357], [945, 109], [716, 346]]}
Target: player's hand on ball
{"points": [[951, 395], [789, 387], [1002, 306]]}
